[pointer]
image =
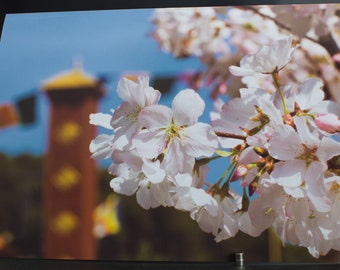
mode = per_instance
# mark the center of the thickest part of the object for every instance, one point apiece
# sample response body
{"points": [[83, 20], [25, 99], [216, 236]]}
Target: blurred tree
{"points": [[156, 234], [20, 202]]}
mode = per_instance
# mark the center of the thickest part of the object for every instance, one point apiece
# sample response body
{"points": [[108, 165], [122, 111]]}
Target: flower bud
{"points": [[336, 57], [288, 120], [239, 172], [328, 122]]}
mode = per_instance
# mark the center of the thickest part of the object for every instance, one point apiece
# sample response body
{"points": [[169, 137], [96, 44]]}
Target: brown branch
{"points": [[229, 135]]}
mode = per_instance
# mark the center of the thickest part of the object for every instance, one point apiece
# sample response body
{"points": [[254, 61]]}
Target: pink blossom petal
{"points": [[145, 196], [177, 160], [289, 173], [328, 122], [328, 148], [310, 93], [285, 143], [149, 144]]}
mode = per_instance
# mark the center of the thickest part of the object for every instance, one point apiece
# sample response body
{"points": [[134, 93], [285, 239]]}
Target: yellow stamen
{"points": [[133, 113], [268, 211]]}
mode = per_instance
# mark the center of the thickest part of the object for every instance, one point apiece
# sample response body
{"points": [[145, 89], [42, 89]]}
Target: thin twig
{"points": [[229, 135]]}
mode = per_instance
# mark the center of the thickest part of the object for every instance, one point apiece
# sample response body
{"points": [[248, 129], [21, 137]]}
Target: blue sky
{"points": [[36, 46]]}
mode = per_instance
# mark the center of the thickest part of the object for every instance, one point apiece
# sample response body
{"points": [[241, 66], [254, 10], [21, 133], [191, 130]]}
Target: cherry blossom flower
{"points": [[268, 59], [304, 158], [136, 96], [212, 214], [175, 133], [307, 97], [133, 174], [267, 207], [202, 206], [253, 112]]}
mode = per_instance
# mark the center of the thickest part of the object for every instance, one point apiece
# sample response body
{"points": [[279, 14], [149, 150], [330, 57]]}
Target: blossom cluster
{"points": [[279, 145], [221, 36]]}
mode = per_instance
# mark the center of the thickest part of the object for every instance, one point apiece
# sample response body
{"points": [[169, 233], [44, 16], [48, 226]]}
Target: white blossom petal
{"points": [[101, 119], [285, 143], [200, 140], [149, 144], [152, 171], [289, 173], [155, 117], [101, 147], [187, 107], [145, 196]]}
